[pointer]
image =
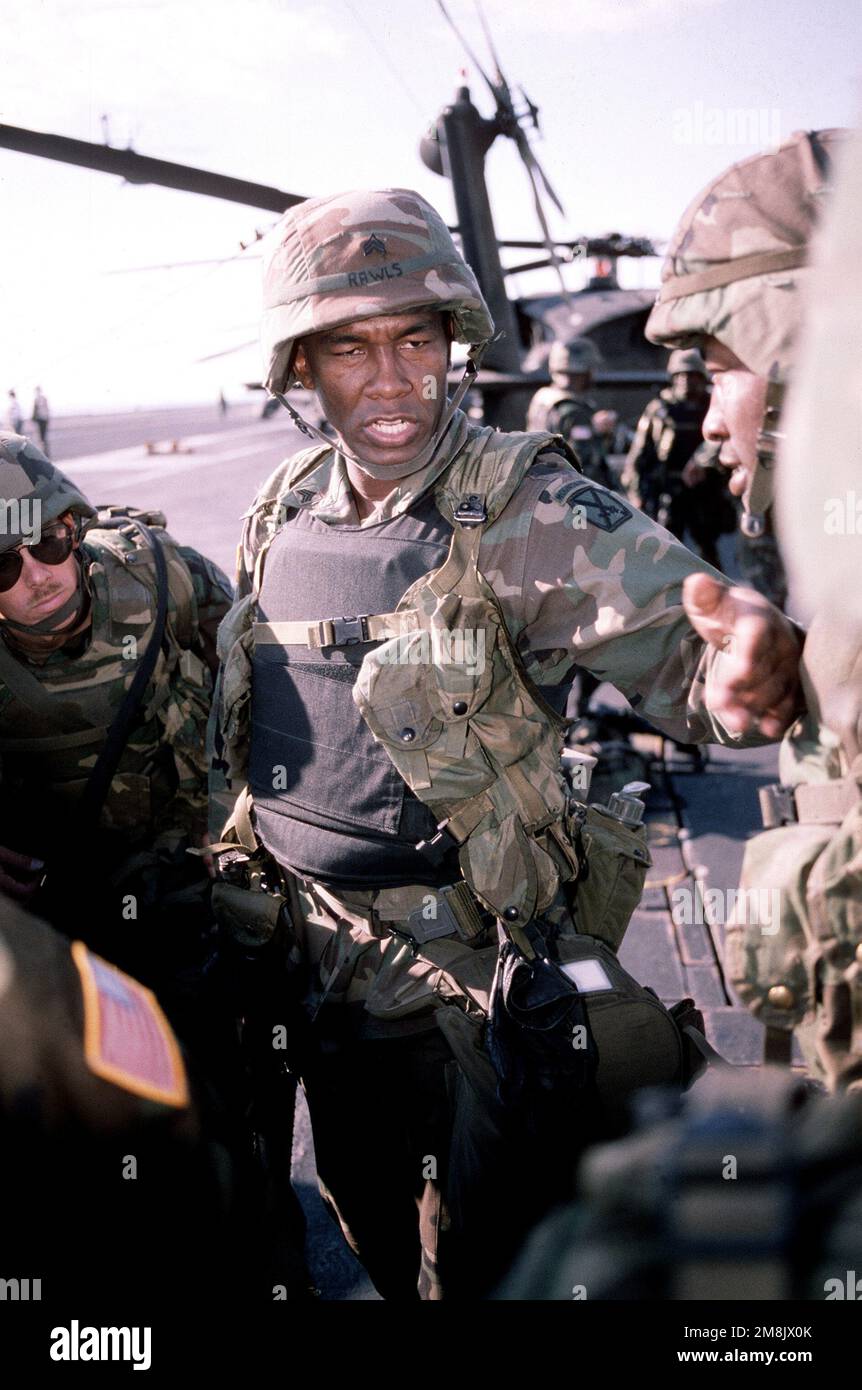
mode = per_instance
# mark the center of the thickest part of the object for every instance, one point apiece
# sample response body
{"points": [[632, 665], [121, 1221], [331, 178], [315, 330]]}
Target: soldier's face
{"points": [[381, 382], [40, 590], [735, 413]]}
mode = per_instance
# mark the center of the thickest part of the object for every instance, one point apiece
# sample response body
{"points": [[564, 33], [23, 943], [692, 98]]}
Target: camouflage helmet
{"points": [[356, 255], [686, 360], [25, 473], [575, 355], [736, 264]]}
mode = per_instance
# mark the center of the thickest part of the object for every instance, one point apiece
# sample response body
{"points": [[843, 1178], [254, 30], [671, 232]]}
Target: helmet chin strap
{"points": [[422, 459], [757, 497]]}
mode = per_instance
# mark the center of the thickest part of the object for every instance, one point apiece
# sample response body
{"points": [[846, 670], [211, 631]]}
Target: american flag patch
{"points": [[127, 1039]]}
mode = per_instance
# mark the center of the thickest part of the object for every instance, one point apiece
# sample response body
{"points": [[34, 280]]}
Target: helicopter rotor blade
{"points": [[490, 42], [494, 90], [178, 265], [138, 168], [549, 243], [526, 152], [227, 352]]}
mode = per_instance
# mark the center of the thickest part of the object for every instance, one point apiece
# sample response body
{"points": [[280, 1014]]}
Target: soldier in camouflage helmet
{"points": [[565, 407], [392, 777], [659, 474], [733, 282], [79, 604]]}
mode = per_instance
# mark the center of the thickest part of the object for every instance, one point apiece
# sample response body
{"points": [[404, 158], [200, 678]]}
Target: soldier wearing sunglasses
{"points": [[98, 844]]}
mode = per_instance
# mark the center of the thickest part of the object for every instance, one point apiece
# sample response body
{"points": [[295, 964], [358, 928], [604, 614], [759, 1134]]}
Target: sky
{"points": [[642, 102]]}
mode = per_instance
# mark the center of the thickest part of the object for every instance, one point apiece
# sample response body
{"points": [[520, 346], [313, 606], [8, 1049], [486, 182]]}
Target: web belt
{"points": [[415, 913]]}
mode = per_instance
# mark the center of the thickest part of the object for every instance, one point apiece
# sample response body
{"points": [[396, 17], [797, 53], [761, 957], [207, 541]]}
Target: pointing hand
{"points": [[757, 685]]}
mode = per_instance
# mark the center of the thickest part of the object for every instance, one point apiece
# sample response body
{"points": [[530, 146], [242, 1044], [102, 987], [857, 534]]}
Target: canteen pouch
{"points": [[609, 886], [582, 1021], [638, 1040]]}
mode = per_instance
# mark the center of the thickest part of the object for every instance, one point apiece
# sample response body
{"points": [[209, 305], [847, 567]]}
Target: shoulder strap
{"points": [[490, 469], [132, 523], [108, 760], [274, 495]]}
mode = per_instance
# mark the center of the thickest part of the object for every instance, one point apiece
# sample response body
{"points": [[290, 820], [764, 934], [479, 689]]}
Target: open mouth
{"points": [[392, 430]]}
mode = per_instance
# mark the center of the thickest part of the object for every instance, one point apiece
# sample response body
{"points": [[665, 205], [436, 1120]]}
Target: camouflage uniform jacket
{"points": [[159, 790]]}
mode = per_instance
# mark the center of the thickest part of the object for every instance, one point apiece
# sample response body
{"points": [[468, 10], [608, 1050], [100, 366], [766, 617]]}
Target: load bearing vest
{"points": [[544, 401], [474, 740]]}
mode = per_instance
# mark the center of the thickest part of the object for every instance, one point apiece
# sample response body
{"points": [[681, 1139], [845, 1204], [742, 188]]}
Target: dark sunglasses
{"points": [[52, 549]]}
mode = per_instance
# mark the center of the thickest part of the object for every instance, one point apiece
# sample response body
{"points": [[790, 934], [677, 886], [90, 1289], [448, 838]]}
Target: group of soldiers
{"points": [[670, 470], [399, 899]]}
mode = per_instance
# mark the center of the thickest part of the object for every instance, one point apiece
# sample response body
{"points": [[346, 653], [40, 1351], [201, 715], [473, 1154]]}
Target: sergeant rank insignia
{"points": [[374, 243]]}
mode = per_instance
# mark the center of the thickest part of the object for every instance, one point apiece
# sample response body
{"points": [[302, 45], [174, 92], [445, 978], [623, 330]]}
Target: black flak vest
{"points": [[329, 803]]}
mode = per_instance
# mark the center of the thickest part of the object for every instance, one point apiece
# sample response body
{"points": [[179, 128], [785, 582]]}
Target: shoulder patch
{"points": [[603, 509], [127, 1039]]}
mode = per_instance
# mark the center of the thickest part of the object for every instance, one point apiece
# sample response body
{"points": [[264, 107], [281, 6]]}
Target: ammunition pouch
{"points": [[613, 871]]}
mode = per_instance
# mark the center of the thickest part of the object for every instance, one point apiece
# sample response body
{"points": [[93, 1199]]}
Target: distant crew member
{"points": [[565, 407], [41, 416], [656, 473], [14, 418]]}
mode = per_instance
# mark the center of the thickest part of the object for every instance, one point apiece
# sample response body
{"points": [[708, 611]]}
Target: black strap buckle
{"points": [[441, 844], [471, 510], [349, 632]]}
